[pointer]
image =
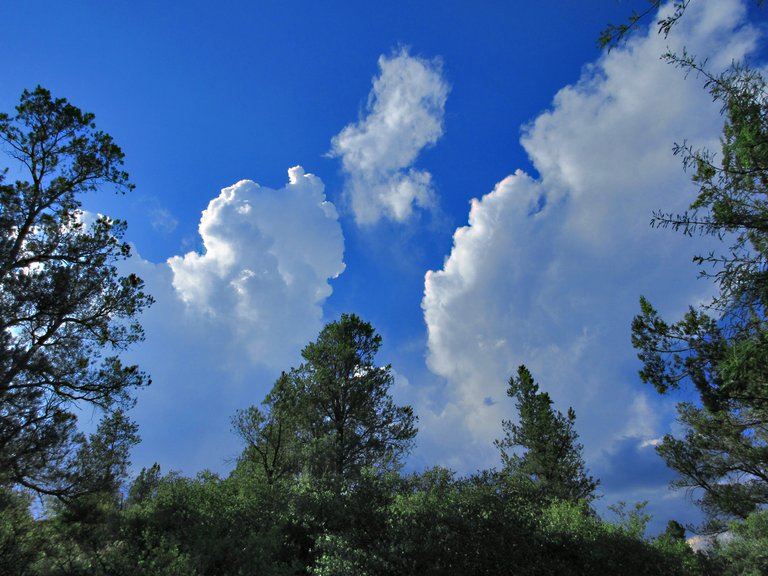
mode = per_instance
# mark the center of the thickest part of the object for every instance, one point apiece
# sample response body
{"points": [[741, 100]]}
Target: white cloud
{"points": [[228, 319], [268, 255], [548, 271], [404, 115]]}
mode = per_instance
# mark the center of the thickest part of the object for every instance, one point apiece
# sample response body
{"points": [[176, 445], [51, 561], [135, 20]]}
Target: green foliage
{"points": [[424, 524], [348, 420], [632, 522], [722, 349], [552, 455], [65, 312], [744, 550], [441, 525], [336, 557], [615, 34], [271, 436], [19, 541], [101, 463], [487, 525], [724, 455], [207, 526], [81, 532], [579, 543], [674, 532], [145, 486], [730, 202], [332, 417]]}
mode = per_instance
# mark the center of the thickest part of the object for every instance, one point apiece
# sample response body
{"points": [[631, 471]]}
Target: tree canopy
{"points": [[721, 348], [65, 311], [332, 417], [551, 457]]}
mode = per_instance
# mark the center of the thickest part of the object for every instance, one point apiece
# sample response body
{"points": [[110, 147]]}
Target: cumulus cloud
{"points": [[227, 319], [548, 270], [266, 261], [404, 115]]}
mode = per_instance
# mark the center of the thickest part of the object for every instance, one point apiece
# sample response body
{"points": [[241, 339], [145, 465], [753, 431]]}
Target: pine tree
{"points": [[551, 457]]}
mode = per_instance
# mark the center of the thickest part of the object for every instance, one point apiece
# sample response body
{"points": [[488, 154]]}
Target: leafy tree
{"points": [[674, 532], [473, 525], [270, 435], [721, 349], [552, 455], [145, 485], [486, 525], [81, 532], [437, 524], [330, 435], [207, 526], [338, 406], [632, 522], [329, 529], [101, 463], [743, 552], [19, 541], [65, 312], [574, 543]]}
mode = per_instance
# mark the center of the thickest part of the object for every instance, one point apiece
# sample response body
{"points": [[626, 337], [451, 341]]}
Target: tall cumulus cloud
{"points": [[548, 270], [229, 317]]}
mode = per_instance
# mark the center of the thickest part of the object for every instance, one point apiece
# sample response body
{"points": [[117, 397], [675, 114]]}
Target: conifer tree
{"points": [[551, 455]]}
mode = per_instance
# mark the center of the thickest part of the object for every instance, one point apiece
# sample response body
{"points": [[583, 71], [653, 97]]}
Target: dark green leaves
{"points": [[721, 349], [551, 458], [65, 311], [332, 417]]}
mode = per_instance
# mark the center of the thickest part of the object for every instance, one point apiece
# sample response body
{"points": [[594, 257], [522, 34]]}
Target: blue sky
{"points": [[476, 179]]}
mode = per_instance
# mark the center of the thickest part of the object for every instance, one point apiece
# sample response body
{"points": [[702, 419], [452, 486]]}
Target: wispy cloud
{"points": [[162, 220], [403, 116]]}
